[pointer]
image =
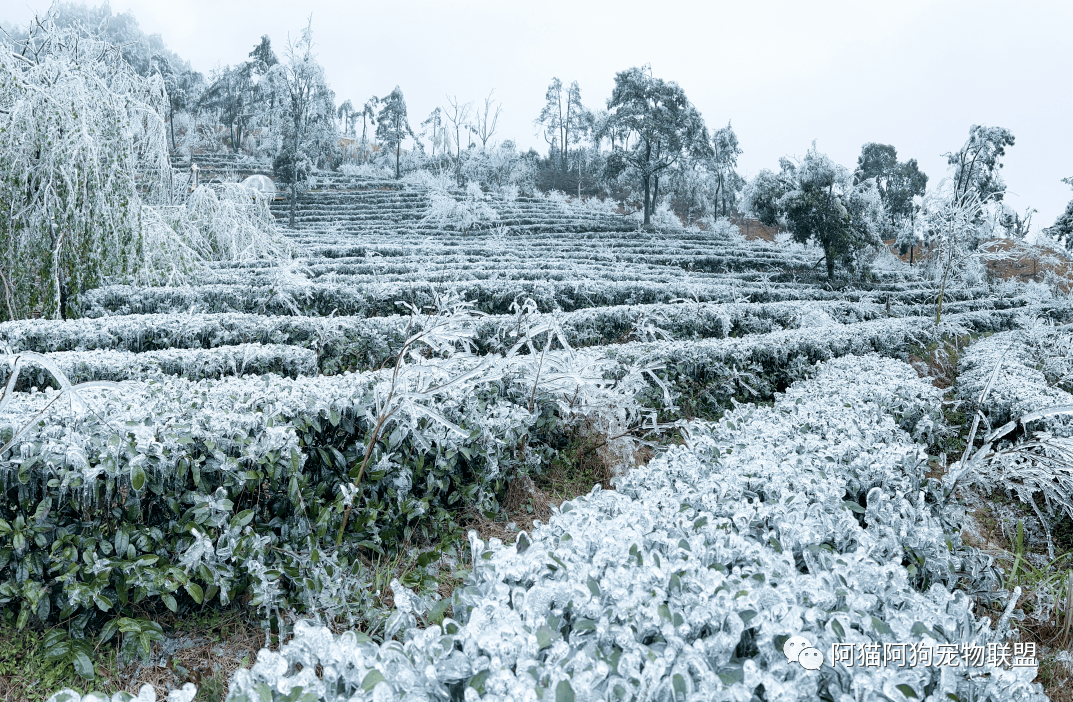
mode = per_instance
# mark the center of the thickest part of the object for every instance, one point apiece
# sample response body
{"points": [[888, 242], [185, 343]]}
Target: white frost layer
{"points": [[680, 581]]}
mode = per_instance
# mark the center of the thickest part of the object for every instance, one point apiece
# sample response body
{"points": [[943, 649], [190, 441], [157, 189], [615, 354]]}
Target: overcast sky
{"points": [[909, 73]]}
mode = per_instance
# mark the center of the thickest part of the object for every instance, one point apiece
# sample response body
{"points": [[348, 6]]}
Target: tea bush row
{"points": [[811, 517]]}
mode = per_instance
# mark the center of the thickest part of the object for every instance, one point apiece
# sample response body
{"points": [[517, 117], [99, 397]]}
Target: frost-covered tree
{"points": [[263, 58], [818, 200], [898, 184], [84, 180], [230, 95], [484, 122], [1062, 229], [498, 167], [723, 167], [309, 112], [141, 51], [950, 226], [344, 113], [663, 124], [392, 126], [975, 166], [457, 115], [184, 89], [368, 119], [82, 143], [563, 119], [433, 129], [1013, 223]]}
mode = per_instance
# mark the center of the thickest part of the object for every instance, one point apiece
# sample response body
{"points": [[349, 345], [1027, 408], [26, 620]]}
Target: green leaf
{"points": [[881, 626], [371, 679], [906, 690], [747, 616], [679, 684], [438, 610], [169, 600], [194, 590], [83, 666], [58, 651], [545, 636], [839, 631], [563, 692], [137, 477], [477, 681], [853, 506], [242, 518], [594, 587]]}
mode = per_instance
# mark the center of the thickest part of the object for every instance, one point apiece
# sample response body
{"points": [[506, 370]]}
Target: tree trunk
{"points": [[910, 254], [172, 120], [648, 212], [294, 198], [398, 150], [829, 255]]}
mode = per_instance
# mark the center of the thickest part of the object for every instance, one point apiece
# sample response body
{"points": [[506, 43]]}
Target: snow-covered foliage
{"points": [[147, 693], [951, 228], [86, 188], [195, 364], [818, 200], [664, 218], [469, 212], [223, 222], [723, 228], [172, 441], [81, 138], [1019, 384], [781, 521], [1036, 370], [367, 170]]}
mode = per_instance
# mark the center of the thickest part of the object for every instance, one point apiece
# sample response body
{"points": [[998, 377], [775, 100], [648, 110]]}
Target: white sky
{"points": [[910, 73]]}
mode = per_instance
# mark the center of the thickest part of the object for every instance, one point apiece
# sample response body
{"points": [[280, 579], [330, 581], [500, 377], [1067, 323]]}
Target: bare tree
{"points": [[484, 124], [458, 116]]}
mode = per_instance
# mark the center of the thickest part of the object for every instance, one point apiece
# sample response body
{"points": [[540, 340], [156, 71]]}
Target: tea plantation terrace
{"points": [[232, 463]]}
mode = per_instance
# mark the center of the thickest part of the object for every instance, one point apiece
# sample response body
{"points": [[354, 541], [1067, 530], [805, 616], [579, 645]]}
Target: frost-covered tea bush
{"points": [[200, 491], [811, 517], [219, 362], [1035, 373], [147, 693], [1018, 383]]}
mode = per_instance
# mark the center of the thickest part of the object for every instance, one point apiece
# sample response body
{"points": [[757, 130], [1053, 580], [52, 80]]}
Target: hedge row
{"points": [[194, 364], [811, 518], [491, 297]]}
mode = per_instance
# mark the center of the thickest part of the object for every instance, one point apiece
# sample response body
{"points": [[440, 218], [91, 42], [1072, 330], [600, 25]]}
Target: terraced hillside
{"points": [[276, 428]]}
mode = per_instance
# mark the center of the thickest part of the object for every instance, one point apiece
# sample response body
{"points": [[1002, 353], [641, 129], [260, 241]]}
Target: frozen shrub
{"points": [[790, 520]]}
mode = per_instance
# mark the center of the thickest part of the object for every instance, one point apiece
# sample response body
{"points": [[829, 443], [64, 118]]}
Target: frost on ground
{"points": [[811, 517]]}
